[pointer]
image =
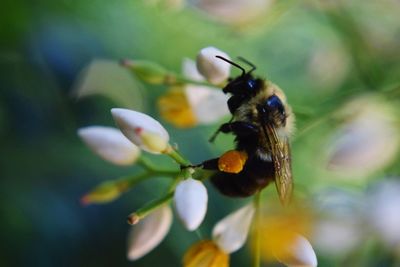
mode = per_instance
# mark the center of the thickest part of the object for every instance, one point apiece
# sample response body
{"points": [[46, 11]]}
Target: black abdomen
{"points": [[255, 175]]}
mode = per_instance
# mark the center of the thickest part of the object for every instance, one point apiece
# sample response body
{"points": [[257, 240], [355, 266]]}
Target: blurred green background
{"points": [[321, 53]]}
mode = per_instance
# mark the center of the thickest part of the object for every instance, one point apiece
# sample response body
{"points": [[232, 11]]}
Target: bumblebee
{"points": [[262, 123]]}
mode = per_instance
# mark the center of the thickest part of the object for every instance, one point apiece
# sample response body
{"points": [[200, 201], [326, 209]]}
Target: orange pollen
{"points": [[232, 161]]}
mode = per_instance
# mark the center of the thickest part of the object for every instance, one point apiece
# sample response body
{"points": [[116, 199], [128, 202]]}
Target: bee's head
{"points": [[272, 110], [245, 84]]}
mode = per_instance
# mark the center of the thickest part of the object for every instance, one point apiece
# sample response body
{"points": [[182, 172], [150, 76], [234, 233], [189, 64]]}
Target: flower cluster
{"points": [[351, 219], [190, 99]]}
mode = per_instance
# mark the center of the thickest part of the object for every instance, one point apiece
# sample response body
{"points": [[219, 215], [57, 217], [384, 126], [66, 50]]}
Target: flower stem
{"points": [[135, 217], [153, 170], [146, 163], [127, 182], [174, 154], [256, 229], [182, 79]]}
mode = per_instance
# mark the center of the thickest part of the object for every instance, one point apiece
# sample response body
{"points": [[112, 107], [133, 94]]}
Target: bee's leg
{"points": [[211, 164], [240, 128], [212, 138]]}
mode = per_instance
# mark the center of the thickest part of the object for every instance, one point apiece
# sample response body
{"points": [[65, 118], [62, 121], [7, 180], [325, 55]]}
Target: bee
{"points": [[262, 123]]}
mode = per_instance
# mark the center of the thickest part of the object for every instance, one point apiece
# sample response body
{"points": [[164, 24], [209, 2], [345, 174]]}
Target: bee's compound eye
{"points": [[274, 103]]}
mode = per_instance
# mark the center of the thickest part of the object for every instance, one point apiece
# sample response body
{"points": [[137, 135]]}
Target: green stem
{"points": [[174, 154], [134, 217], [146, 163], [152, 169], [127, 182], [256, 229], [182, 79]]}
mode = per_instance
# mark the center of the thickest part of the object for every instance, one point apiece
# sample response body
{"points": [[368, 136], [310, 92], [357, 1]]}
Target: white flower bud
{"points": [[299, 254], [213, 69], [142, 130], [368, 141], [383, 211], [336, 236], [190, 200], [231, 232], [340, 221], [110, 144], [149, 232], [328, 66], [236, 12]]}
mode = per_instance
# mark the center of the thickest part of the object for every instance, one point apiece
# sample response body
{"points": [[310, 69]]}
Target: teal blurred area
{"points": [[309, 49]]}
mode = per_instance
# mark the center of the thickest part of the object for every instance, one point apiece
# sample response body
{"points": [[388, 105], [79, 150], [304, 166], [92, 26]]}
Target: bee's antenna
{"points": [[253, 67], [233, 64]]}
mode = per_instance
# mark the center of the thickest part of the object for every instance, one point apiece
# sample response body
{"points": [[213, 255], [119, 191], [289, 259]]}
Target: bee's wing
{"points": [[280, 154]]}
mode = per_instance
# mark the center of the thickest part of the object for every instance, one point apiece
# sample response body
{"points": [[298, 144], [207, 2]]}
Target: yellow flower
{"points": [[174, 107], [282, 240], [205, 254]]}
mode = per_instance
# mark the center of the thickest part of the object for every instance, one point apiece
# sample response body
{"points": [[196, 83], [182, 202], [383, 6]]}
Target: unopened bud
{"points": [[154, 142], [142, 130], [147, 71], [190, 200], [103, 193], [215, 70], [110, 144]]}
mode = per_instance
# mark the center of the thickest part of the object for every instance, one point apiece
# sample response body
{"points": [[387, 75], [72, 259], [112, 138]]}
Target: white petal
{"points": [[110, 144], [136, 125], [300, 254], [383, 211], [231, 232], [213, 69], [108, 78], [191, 202], [149, 232], [209, 105]]}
